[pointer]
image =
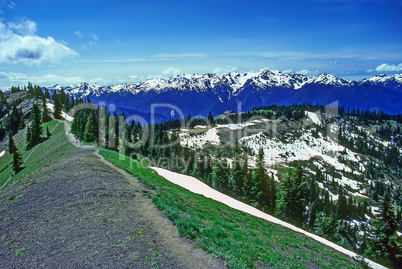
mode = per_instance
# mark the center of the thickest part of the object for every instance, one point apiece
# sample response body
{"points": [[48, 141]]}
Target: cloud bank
{"points": [[21, 79], [19, 44], [389, 67]]}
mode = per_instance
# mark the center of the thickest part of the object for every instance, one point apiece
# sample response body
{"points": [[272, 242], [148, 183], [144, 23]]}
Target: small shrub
{"points": [[19, 252]]}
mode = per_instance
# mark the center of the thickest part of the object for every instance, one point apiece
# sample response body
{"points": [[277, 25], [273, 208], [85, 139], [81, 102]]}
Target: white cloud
{"points": [[8, 79], [389, 67], [287, 71], [98, 80], [307, 72], [26, 27], [171, 71], [94, 37], [11, 5], [91, 37], [19, 44], [224, 69], [79, 34]]}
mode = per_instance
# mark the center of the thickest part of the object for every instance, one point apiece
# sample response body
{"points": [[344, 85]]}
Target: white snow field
{"points": [[196, 186], [2, 153], [63, 114]]}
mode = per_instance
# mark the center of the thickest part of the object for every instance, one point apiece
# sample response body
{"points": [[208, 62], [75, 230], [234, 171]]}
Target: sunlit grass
{"points": [[242, 240]]}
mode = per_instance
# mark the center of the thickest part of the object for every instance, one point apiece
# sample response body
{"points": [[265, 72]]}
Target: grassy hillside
{"points": [[42, 155], [244, 241]]}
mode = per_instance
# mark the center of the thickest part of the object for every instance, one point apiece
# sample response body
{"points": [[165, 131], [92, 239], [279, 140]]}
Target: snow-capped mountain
{"points": [[390, 82], [201, 94], [327, 79]]}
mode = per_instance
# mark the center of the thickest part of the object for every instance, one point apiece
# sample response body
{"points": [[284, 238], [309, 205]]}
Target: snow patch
{"points": [[2, 153], [198, 141], [313, 117], [63, 114], [237, 126]]}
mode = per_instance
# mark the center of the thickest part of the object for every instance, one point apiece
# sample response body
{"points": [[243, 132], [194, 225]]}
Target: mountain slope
{"points": [[54, 218]]}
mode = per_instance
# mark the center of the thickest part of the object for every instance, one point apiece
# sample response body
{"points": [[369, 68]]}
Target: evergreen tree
{"points": [[28, 139], [11, 145], [17, 163], [35, 131], [385, 230], [45, 112], [237, 177], [341, 207], [57, 106], [236, 171], [261, 180], [246, 177], [91, 129], [48, 134], [47, 94], [218, 176], [290, 203]]}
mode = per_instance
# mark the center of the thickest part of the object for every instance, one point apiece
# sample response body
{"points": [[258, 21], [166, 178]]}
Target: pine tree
{"points": [[236, 171], [17, 163], [48, 134], [217, 176], [341, 207], [28, 139], [290, 203], [36, 125], [45, 112], [11, 145], [236, 177], [57, 106], [47, 94], [91, 129], [385, 230], [261, 180], [272, 195]]}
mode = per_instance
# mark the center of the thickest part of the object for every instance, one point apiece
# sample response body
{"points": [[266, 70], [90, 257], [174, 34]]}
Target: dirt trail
{"points": [[86, 213]]}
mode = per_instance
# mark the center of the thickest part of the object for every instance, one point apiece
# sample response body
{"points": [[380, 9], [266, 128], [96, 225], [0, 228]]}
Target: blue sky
{"points": [[57, 41]]}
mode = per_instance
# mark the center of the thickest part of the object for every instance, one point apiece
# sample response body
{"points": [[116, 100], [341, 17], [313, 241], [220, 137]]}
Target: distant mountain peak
{"points": [[328, 79], [199, 94]]}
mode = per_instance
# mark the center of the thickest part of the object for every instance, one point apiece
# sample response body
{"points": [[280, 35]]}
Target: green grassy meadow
{"points": [[48, 151], [242, 240]]}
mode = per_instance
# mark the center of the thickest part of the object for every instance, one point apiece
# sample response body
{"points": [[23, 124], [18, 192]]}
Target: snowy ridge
{"points": [[200, 94], [234, 81], [327, 79], [383, 78]]}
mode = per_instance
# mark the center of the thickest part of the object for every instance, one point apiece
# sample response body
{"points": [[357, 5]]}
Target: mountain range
{"points": [[201, 94]]}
